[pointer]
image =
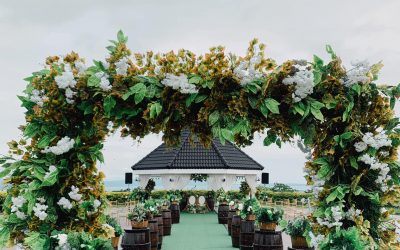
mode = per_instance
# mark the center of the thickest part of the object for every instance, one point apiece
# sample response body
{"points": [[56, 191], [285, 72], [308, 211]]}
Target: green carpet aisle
{"points": [[197, 232]]}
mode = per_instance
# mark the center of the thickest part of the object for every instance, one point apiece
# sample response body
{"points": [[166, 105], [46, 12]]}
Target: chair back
{"points": [[192, 200], [202, 200]]}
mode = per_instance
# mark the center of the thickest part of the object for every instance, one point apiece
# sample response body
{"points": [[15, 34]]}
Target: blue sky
{"points": [[33, 30]]}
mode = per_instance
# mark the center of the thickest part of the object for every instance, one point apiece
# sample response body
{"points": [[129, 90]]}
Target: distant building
{"points": [[224, 165]]}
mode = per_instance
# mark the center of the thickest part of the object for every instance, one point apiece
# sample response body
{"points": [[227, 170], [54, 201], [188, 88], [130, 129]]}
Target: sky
{"points": [[32, 30]]}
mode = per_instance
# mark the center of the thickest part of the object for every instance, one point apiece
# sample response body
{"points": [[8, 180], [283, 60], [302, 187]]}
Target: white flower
{"points": [[62, 241], [106, 64], [180, 83], [64, 203], [246, 70], [96, 204], [122, 66], [360, 146], [249, 209], [69, 94], [41, 200], [38, 97], [315, 240], [20, 215], [240, 206], [81, 67], [358, 74], [17, 203], [51, 170], [66, 79], [63, 146], [376, 141], [74, 194], [231, 203], [304, 80], [40, 211], [104, 82]]}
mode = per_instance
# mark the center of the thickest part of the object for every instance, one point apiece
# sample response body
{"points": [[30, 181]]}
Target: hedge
{"points": [[265, 193]]}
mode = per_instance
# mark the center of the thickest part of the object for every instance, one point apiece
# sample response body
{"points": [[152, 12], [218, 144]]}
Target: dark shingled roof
{"points": [[195, 156]]}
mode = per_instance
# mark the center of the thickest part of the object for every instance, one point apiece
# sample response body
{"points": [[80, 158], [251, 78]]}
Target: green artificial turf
{"points": [[197, 231]]}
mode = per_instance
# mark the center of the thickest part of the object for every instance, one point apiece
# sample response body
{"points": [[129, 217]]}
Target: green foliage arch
{"points": [[344, 119]]}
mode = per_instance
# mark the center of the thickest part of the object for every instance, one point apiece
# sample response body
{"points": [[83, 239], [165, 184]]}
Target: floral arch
{"points": [[342, 116]]}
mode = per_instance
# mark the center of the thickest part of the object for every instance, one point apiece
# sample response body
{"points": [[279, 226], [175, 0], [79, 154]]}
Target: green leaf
{"points": [[353, 162], [45, 141], [35, 240], [332, 196], [213, 118], [357, 88], [298, 107], [200, 98], [121, 37], [190, 99], [227, 134], [347, 135], [4, 236], [330, 51], [317, 114], [93, 81], [138, 88], [51, 179], [155, 110], [7, 168], [264, 110], [269, 139], [252, 101], [272, 105], [195, 80], [109, 104], [139, 97]]}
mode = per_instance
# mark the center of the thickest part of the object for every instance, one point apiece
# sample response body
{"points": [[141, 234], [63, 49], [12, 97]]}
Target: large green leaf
{"points": [[227, 134], [35, 240], [4, 236], [213, 117], [272, 105], [51, 179], [155, 110], [109, 104]]}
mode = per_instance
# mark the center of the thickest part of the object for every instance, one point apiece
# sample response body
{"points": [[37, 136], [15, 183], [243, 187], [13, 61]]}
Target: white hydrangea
{"points": [[20, 215], [74, 194], [37, 96], [122, 66], [376, 141], [97, 203], [66, 79], [52, 169], [304, 80], [180, 83], [315, 240], [334, 220], [64, 203], [249, 209], [39, 210], [231, 203], [81, 67], [69, 94], [358, 74], [62, 242], [383, 170], [17, 203], [63, 146], [104, 82], [352, 213], [317, 186], [240, 206], [246, 70]]}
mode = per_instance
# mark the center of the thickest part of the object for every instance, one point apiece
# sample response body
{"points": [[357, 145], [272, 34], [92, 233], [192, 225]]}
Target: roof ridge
{"points": [[179, 150], [219, 153], [248, 156]]}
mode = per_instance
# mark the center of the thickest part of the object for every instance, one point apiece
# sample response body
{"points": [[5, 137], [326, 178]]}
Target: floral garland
{"points": [[342, 115]]}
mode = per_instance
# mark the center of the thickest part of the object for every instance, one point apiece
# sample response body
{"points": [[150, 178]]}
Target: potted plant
{"points": [[118, 231], [245, 188], [151, 206], [222, 197], [298, 229], [138, 216], [250, 209], [268, 218]]}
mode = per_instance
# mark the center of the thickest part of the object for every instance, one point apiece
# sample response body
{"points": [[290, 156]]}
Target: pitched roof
{"points": [[195, 156]]}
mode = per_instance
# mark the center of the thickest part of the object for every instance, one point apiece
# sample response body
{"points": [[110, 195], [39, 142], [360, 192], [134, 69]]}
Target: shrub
{"points": [[139, 194], [299, 227], [138, 213], [280, 187], [114, 223], [343, 239], [267, 214], [244, 188], [250, 206], [264, 193]]}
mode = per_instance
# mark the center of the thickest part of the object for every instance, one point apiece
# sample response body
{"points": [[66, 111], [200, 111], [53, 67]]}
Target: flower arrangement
{"points": [[170, 91], [199, 177], [298, 229], [138, 216], [250, 209], [244, 188], [269, 217], [174, 196], [222, 197], [114, 223]]}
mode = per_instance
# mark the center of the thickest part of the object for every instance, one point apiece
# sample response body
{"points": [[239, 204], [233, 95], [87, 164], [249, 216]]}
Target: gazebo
{"points": [[224, 165]]}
